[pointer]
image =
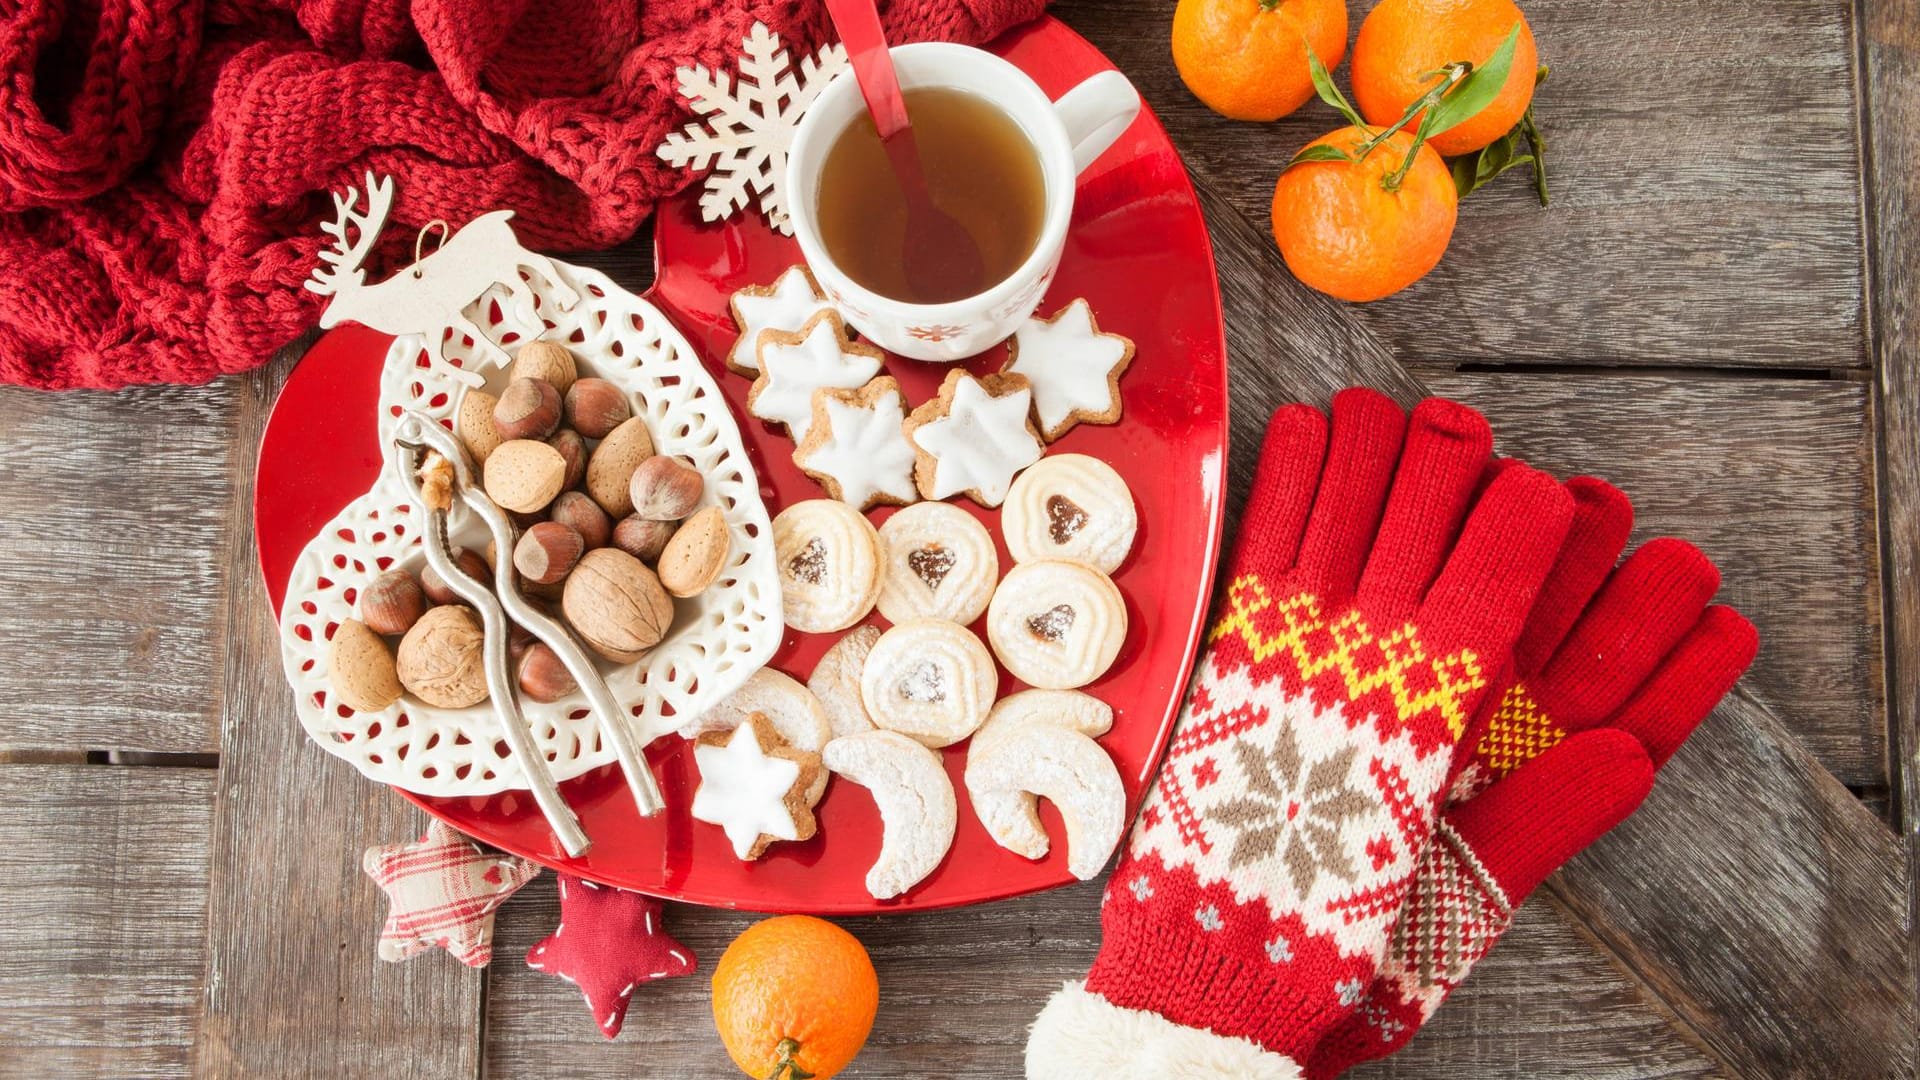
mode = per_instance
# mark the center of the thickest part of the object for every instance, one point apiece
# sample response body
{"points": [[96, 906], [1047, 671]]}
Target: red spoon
{"points": [[941, 258]]}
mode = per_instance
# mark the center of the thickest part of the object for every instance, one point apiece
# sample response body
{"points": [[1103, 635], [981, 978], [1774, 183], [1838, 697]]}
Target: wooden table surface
{"points": [[1719, 313]]}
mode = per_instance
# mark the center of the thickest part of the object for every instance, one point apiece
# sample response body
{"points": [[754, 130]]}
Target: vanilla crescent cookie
{"points": [[855, 448], [793, 365], [1074, 367], [829, 560], [754, 786], [974, 437], [918, 811], [937, 562], [930, 680], [786, 304], [1056, 624], [1040, 744], [836, 681], [1070, 506]]}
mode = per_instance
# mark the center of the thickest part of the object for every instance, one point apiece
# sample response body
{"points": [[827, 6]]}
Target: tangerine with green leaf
{"points": [[1359, 217], [1404, 46], [794, 997], [1246, 59]]}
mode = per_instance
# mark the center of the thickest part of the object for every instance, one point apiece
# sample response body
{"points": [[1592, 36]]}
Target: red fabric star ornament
{"points": [[609, 941], [442, 890]]}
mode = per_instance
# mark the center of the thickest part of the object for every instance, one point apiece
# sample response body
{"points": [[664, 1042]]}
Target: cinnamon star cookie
{"points": [[754, 786], [974, 437], [855, 448], [1074, 367], [794, 365], [787, 304]]}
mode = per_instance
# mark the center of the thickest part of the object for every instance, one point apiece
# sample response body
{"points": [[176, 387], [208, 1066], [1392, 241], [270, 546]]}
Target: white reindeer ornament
{"points": [[429, 298]]}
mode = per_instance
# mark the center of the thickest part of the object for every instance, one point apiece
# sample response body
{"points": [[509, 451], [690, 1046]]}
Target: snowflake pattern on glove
{"points": [[750, 124]]}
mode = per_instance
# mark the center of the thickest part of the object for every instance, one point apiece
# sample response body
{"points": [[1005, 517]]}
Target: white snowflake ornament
{"points": [[750, 124]]}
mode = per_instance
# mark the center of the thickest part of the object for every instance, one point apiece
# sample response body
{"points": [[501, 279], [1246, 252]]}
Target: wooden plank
{"points": [[1891, 33], [1679, 233], [294, 988], [1772, 478], [1745, 813], [116, 511], [958, 990], [103, 882]]}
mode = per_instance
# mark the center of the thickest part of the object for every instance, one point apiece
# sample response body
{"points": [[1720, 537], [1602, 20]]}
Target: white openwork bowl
{"points": [[717, 639]]}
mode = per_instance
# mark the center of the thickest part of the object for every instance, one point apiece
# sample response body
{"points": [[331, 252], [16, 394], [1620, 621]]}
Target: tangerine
{"points": [[1351, 230], [1403, 44], [1247, 59], [794, 996]]}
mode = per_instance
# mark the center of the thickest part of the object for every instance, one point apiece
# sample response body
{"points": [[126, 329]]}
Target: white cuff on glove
{"points": [[1081, 1034]]}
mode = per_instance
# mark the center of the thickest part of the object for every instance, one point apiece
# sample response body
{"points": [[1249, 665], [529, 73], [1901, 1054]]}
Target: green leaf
{"points": [[1478, 89], [1318, 153], [1473, 171], [1329, 93]]}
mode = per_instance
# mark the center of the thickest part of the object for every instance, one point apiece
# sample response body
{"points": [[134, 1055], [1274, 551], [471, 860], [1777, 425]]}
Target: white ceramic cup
{"points": [[1068, 135]]}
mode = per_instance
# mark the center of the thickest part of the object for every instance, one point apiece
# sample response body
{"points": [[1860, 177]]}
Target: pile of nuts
{"points": [[608, 528]]}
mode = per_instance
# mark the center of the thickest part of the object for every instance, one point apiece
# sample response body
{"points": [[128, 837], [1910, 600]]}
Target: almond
{"points": [[696, 554], [611, 467], [523, 475], [361, 668], [474, 424]]}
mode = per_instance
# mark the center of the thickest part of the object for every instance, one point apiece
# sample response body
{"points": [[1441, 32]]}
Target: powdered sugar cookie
{"points": [[918, 813], [1075, 369], [1056, 624], [836, 681], [786, 304], [1039, 744], [930, 680], [1070, 506], [796, 714], [794, 365], [754, 786], [974, 437], [829, 560], [937, 562], [855, 447]]}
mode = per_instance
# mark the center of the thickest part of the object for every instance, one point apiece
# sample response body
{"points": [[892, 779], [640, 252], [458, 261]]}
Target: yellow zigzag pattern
{"points": [[1519, 732], [1365, 660]]}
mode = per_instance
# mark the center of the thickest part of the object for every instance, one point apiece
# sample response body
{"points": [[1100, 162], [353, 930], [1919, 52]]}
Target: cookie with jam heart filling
{"points": [[1070, 506], [1055, 624], [938, 562]]}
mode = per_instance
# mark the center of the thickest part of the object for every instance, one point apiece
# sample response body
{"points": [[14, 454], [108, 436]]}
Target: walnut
{"points": [[617, 605], [440, 660]]}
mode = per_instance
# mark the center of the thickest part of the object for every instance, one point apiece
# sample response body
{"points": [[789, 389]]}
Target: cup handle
{"points": [[1095, 113]]}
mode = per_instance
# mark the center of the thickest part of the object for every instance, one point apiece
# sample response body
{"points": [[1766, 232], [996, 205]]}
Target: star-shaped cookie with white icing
{"points": [[754, 786], [974, 438], [1074, 367], [855, 448], [785, 305], [820, 355]]}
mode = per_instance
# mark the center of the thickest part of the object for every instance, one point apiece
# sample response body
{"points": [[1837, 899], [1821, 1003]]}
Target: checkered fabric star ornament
{"points": [[442, 890], [609, 941]]}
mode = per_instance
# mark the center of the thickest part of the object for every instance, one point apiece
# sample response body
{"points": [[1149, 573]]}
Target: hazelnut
{"points": [[438, 591], [642, 539], [696, 554], [519, 640], [665, 488], [474, 424], [577, 511], [440, 658], [548, 360], [523, 475], [528, 409], [594, 407], [616, 605], [573, 449], [542, 676], [393, 603], [546, 552], [361, 668], [610, 469]]}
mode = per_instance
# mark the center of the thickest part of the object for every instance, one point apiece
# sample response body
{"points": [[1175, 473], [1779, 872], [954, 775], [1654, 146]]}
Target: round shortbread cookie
{"points": [[829, 560], [790, 708], [1039, 744], [918, 811], [1055, 624], [937, 562], [930, 680], [836, 681], [1070, 506]]}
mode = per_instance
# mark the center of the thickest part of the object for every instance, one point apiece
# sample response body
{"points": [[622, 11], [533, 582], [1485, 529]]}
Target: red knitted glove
{"points": [[1609, 682], [1361, 631]]}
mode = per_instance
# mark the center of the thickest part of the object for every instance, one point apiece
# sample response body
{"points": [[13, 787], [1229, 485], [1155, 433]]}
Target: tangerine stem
{"points": [[787, 1068]]}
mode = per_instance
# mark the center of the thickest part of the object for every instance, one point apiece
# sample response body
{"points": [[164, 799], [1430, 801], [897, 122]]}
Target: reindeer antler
{"points": [[344, 257]]}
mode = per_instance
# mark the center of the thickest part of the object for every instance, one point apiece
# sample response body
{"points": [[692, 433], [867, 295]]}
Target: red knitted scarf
{"points": [[163, 162]]}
